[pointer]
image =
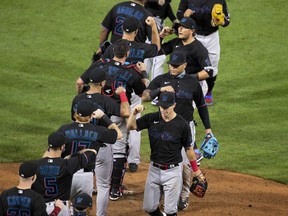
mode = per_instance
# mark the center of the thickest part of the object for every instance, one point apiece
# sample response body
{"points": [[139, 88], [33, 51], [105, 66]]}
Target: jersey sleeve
{"points": [[80, 161], [151, 50], [167, 48], [107, 135], [145, 121], [183, 5], [186, 135], [155, 83], [39, 205], [108, 20]]}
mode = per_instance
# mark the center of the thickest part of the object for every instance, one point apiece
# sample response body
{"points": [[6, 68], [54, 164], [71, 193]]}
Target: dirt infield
{"points": [[228, 194]]}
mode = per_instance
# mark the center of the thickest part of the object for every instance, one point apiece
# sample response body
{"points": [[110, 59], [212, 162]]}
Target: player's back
{"points": [[115, 17]]}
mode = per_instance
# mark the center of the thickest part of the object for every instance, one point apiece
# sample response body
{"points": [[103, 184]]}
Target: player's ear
{"points": [[136, 32]]}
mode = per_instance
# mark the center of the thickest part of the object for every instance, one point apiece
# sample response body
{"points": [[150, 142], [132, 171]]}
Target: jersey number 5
{"points": [[51, 187]]}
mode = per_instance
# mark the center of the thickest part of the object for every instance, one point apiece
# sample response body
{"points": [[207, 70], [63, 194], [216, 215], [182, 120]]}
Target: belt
{"points": [[164, 166], [53, 203]]}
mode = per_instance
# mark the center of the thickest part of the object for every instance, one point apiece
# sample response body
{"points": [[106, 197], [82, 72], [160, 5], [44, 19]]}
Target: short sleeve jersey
{"points": [[196, 54], [15, 201], [187, 89], [119, 75], [138, 52], [106, 104], [166, 138], [54, 175], [202, 14], [113, 21], [83, 136]]}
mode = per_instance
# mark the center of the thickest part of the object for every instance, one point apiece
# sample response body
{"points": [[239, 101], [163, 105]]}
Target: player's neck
{"points": [[94, 90], [170, 117], [121, 60], [189, 40], [24, 185], [128, 37]]}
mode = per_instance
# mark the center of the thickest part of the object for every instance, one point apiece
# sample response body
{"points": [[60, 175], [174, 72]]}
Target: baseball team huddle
{"points": [[92, 153]]}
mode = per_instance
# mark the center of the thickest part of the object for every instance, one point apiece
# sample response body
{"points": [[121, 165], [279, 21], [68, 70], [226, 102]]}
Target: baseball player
{"points": [[187, 89], [168, 134], [115, 17], [138, 52], [54, 174], [104, 158], [82, 135], [131, 78], [161, 9], [22, 200], [82, 204], [207, 31]]}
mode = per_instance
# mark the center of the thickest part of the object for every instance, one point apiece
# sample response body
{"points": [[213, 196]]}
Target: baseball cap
{"points": [[177, 58], [131, 24], [85, 108], [56, 139], [27, 169], [82, 201], [97, 75], [166, 99], [186, 22]]}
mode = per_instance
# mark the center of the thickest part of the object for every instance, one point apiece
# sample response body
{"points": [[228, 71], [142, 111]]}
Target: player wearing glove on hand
{"points": [[168, 134], [187, 90], [209, 15]]}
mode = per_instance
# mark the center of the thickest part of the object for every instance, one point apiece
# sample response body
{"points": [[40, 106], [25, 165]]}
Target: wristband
{"points": [[55, 211], [154, 93], [194, 165], [123, 97], [106, 120], [144, 74]]}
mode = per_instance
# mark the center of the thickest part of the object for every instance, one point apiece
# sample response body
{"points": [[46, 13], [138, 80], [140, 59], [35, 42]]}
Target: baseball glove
{"points": [[210, 146], [199, 186], [217, 15], [103, 47]]}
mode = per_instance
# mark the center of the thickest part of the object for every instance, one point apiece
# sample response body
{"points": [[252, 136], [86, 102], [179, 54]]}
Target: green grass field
{"points": [[45, 46]]}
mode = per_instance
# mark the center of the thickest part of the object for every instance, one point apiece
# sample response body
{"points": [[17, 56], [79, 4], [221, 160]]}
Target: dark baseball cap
{"points": [[82, 201], [131, 24], [186, 22], [177, 58], [85, 108], [56, 139], [97, 75], [166, 99], [27, 169]]}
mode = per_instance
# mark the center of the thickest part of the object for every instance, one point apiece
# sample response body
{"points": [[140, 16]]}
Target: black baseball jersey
{"points": [[115, 17], [22, 202], [117, 75], [106, 104], [138, 52], [187, 89], [163, 11], [83, 136], [202, 14], [166, 138], [196, 54], [54, 175]]}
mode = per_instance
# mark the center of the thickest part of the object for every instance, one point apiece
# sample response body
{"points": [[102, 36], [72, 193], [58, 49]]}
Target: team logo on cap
{"points": [[164, 98]]}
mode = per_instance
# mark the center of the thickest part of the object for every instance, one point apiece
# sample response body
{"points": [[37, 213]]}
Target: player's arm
{"points": [[192, 158], [99, 114], [124, 105], [79, 85], [103, 37], [183, 5], [227, 15], [149, 94], [131, 122], [155, 39]]}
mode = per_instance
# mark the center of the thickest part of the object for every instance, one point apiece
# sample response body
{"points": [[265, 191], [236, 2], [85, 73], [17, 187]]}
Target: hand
{"points": [[138, 109], [98, 114], [166, 31], [146, 82], [150, 21], [199, 175], [188, 13], [59, 203], [141, 66], [167, 88], [119, 90]]}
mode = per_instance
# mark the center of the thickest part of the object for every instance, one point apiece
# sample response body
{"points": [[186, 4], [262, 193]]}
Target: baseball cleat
{"points": [[115, 194], [209, 99], [183, 204], [133, 167]]}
